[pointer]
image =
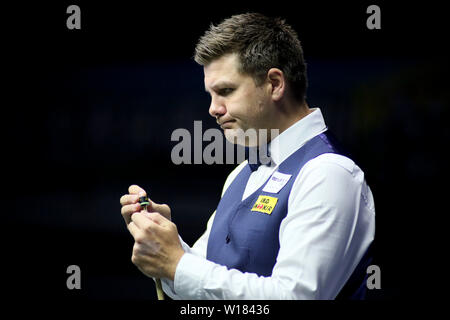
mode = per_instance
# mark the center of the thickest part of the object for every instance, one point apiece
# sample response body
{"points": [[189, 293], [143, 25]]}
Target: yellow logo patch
{"points": [[265, 204]]}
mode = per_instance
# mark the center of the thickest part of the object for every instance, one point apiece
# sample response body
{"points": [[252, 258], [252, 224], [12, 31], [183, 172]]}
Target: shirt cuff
{"points": [[189, 276]]}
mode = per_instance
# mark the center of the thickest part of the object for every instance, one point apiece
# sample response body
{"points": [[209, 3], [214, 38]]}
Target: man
{"points": [[299, 227]]}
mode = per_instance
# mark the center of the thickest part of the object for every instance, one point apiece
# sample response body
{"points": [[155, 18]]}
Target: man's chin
{"points": [[240, 137]]}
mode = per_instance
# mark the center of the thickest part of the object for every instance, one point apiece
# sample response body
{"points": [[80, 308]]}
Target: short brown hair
{"points": [[261, 43]]}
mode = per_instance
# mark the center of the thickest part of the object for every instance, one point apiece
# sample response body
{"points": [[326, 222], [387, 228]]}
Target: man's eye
{"points": [[225, 91]]}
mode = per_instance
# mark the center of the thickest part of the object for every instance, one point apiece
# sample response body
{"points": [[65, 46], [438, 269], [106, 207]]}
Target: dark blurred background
{"points": [[89, 112]]}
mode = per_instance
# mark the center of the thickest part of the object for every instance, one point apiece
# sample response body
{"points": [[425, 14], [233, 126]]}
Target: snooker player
{"points": [[299, 227]]}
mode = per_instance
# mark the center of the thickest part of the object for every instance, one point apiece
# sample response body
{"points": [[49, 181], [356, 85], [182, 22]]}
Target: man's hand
{"points": [[130, 204], [157, 248]]}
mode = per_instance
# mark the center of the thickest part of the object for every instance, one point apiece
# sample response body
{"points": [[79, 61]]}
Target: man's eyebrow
{"points": [[220, 85]]}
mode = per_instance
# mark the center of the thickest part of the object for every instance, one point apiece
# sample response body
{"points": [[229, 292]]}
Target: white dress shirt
{"points": [[329, 225]]}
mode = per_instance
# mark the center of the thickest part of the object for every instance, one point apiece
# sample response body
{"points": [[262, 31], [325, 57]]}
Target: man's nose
{"points": [[217, 108]]}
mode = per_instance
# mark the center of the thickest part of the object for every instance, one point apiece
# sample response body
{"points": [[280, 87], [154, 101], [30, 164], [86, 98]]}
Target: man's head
{"points": [[251, 62]]}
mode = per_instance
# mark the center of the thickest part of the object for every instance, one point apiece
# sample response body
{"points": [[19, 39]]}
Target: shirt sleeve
{"points": [[331, 220]]}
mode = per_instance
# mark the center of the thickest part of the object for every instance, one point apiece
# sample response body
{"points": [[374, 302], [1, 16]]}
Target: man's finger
{"points": [[163, 209], [134, 230], [157, 218], [128, 199], [131, 208], [135, 189], [141, 221]]}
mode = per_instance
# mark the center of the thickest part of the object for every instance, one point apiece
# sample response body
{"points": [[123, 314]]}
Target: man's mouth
{"points": [[227, 124]]}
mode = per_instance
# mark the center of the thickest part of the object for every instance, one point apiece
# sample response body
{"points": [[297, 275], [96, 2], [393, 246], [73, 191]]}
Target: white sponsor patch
{"points": [[276, 182]]}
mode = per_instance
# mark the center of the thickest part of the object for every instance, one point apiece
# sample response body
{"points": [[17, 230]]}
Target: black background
{"points": [[88, 112]]}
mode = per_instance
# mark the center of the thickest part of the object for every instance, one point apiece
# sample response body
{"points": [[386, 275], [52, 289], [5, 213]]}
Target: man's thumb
{"points": [[163, 209]]}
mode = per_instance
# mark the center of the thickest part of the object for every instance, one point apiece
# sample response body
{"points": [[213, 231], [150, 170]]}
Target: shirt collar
{"points": [[294, 137]]}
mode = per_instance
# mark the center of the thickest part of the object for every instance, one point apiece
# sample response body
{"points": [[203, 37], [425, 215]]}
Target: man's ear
{"points": [[276, 78]]}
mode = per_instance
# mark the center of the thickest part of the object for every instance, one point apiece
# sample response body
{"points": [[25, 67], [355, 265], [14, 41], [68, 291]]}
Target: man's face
{"points": [[236, 102]]}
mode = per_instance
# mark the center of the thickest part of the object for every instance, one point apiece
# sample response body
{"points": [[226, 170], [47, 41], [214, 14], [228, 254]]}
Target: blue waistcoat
{"points": [[249, 240]]}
